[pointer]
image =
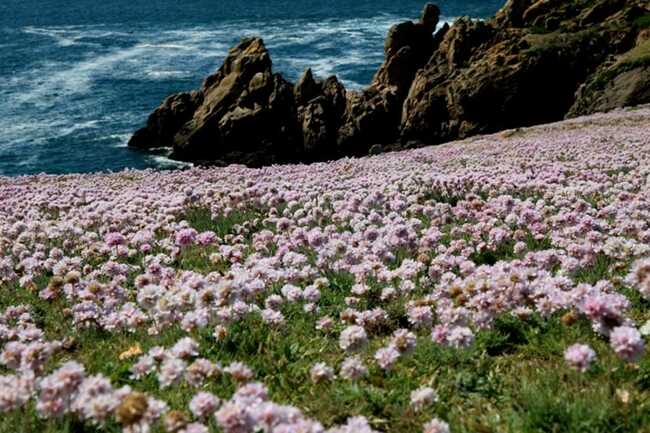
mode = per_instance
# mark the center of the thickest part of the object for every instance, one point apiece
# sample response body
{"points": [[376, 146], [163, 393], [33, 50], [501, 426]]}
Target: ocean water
{"points": [[77, 77]]}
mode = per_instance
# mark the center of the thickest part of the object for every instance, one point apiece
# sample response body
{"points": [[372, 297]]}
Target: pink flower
{"points": [[387, 357], [185, 237], [423, 397], [353, 338], [234, 417], [436, 426], [627, 343], [321, 372], [580, 356], [185, 348], [206, 238], [239, 371], [171, 371], [420, 316], [440, 333], [353, 368], [460, 337], [114, 239], [203, 404], [357, 424], [195, 427], [404, 341]]}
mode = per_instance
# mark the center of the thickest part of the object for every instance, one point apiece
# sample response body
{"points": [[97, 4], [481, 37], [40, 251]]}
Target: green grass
{"points": [[512, 380], [643, 21], [201, 219], [637, 57]]}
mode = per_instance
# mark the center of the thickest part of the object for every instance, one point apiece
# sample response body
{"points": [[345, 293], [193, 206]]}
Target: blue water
{"points": [[77, 77]]}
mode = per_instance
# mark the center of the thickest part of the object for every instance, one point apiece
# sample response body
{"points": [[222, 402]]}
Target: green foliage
{"points": [[643, 21], [202, 220]]}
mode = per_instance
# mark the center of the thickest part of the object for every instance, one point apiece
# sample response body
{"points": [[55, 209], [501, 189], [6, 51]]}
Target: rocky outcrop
{"points": [[620, 82], [521, 68], [166, 120], [372, 117], [536, 61], [625, 88], [247, 114]]}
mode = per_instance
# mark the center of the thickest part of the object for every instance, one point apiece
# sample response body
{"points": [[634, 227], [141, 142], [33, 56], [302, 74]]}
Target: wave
{"points": [[166, 46], [61, 36], [121, 139], [161, 161]]}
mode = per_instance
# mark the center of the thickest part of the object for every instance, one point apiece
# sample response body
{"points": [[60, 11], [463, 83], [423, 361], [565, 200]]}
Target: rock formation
{"points": [[523, 67], [534, 62]]}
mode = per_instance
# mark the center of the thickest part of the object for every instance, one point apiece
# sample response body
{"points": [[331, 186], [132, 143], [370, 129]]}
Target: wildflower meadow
{"points": [[497, 284]]}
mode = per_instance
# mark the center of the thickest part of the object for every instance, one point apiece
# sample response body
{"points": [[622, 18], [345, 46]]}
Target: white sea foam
{"points": [[166, 46], [62, 37], [154, 53], [163, 75], [70, 129], [165, 162], [122, 139]]}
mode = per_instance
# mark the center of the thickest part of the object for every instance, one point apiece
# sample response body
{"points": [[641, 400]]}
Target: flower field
{"points": [[498, 284]]}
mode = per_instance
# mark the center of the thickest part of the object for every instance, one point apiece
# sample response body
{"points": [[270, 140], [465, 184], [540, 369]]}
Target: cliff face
{"points": [[534, 62]]}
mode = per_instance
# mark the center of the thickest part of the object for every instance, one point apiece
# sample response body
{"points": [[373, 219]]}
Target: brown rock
{"points": [[642, 37], [485, 77], [619, 88], [372, 117], [166, 120], [601, 11], [306, 88], [315, 127], [539, 11], [416, 35], [511, 14], [246, 109]]}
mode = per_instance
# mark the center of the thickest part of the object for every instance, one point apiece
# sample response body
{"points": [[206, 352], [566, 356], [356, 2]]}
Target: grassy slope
{"points": [[512, 380]]}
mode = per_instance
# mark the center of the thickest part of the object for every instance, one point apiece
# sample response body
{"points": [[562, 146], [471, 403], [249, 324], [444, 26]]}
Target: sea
{"points": [[78, 77]]}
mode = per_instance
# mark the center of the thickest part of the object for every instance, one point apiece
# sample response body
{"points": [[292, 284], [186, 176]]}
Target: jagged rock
{"points": [[246, 113], [623, 81], [335, 94], [626, 88], [316, 130], [511, 14], [244, 80], [643, 36], [416, 35], [245, 108], [601, 11], [463, 39], [373, 116], [166, 120], [306, 88], [539, 11], [491, 76], [320, 108], [535, 61]]}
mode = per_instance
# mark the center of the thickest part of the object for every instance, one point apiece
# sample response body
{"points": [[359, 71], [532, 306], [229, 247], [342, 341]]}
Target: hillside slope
{"points": [[495, 284]]}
